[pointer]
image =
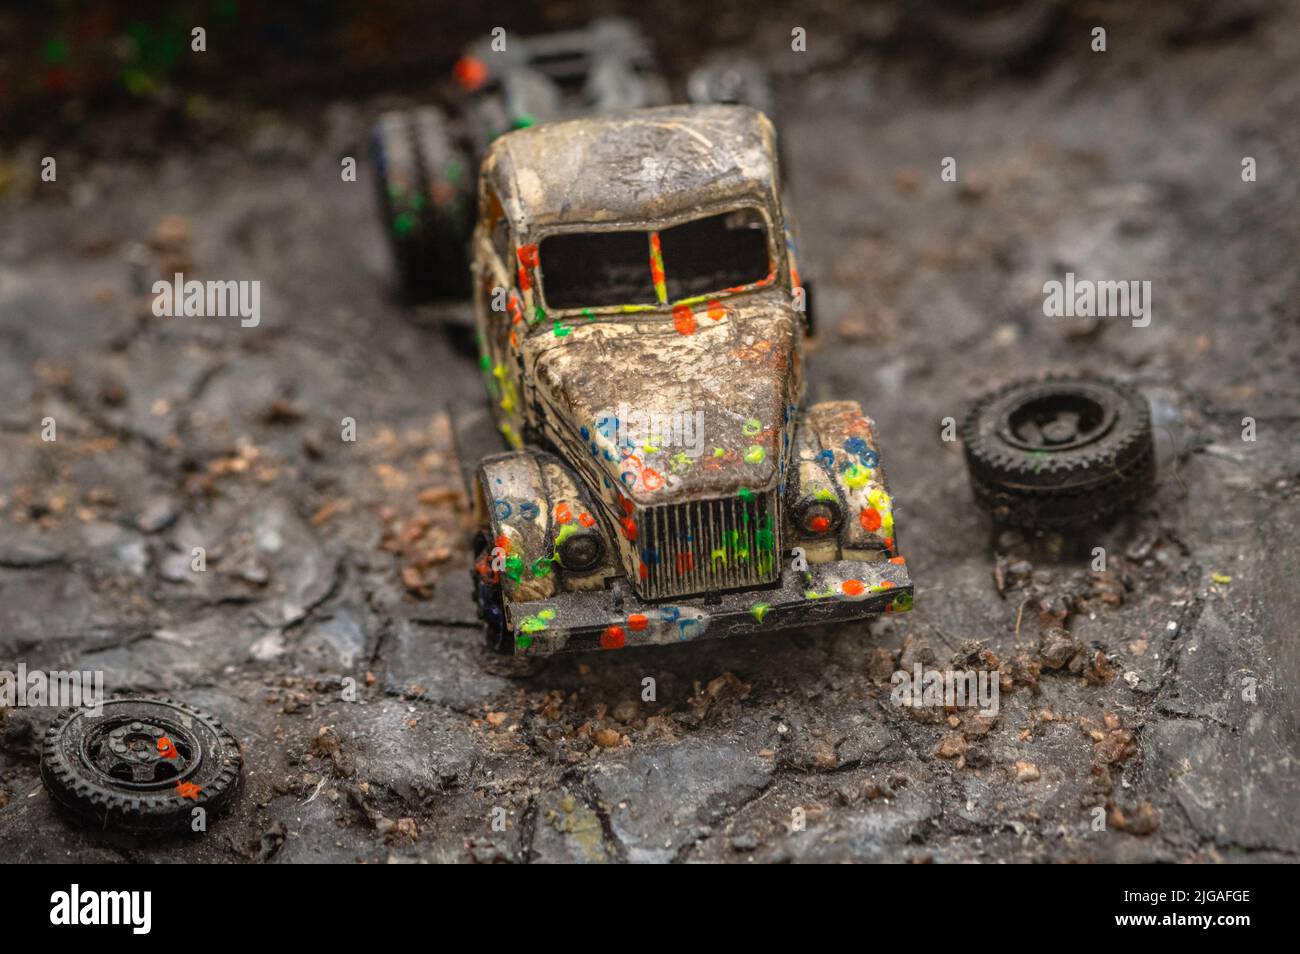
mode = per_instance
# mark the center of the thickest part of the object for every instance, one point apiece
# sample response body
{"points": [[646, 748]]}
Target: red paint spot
{"points": [[188, 790], [524, 283], [652, 479], [852, 587], [643, 571], [820, 524], [684, 320], [504, 543], [899, 560], [870, 519], [889, 543], [166, 749], [626, 504], [470, 73], [527, 255], [637, 622], [586, 519], [514, 340], [562, 513], [613, 638], [885, 584], [685, 563], [629, 528], [717, 310]]}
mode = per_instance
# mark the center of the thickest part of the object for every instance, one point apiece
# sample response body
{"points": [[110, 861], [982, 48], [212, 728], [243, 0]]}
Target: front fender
{"points": [[529, 501], [837, 457]]}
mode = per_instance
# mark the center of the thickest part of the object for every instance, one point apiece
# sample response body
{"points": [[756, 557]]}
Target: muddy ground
{"points": [[1128, 729]]}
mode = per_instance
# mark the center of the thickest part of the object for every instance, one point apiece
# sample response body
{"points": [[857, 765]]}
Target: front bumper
{"points": [[614, 618]]}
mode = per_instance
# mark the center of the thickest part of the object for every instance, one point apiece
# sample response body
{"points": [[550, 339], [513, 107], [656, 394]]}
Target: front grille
{"points": [[709, 545]]}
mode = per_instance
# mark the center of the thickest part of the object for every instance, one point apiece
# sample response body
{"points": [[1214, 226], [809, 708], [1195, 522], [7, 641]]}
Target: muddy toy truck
{"points": [[427, 159], [636, 295]]}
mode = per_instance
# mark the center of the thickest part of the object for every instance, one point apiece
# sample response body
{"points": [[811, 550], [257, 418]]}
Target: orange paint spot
{"points": [[870, 519], [166, 749], [470, 73], [717, 310], [524, 283], [685, 563], [562, 513], [637, 622], [626, 504], [852, 587], [613, 638], [514, 340], [889, 542], [629, 528], [652, 479], [643, 571], [586, 519], [504, 543], [684, 320], [899, 560], [527, 255], [188, 790], [886, 584], [820, 524]]}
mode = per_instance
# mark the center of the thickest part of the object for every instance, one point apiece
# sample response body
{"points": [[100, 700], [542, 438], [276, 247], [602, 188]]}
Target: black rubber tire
{"points": [[1058, 451], [489, 603], [426, 198], [79, 745]]}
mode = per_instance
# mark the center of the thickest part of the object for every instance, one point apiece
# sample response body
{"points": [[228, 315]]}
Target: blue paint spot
{"points": [[502, 508]]}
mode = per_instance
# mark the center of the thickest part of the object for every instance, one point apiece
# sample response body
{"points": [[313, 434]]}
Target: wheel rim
{"points": [[1064, 417], [140, 754]]}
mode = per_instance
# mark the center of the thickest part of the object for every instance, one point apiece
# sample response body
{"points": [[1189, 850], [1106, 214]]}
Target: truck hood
{"points": [[678, 405]]}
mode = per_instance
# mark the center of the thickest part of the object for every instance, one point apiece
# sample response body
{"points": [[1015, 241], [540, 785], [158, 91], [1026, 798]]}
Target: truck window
{"points": [[715, 253], [596, 269]]}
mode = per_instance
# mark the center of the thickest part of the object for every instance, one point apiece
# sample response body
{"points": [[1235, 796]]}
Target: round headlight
{"points": [[819, 517], [581, 551]]}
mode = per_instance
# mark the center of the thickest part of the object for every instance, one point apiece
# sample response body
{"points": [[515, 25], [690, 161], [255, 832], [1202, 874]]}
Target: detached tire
{"points": [[142, 765], [426, 202], [1059, 452]]}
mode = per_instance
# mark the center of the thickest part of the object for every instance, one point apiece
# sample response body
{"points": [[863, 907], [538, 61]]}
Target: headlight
{"points": [[581, 551], [818, 517]]}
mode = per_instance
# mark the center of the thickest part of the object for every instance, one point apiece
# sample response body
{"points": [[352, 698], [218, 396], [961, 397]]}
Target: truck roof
{"points": [[639, 166]]}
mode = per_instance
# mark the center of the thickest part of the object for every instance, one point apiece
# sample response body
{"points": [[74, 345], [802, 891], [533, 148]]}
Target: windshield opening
{"points": [[596, 270], [712, 255]]}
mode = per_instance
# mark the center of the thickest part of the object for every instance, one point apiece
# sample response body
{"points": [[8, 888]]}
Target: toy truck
{"points": [[637, 301]]}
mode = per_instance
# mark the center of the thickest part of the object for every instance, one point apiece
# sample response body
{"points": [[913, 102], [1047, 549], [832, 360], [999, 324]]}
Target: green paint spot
{"points": [[539, 314], [533, 624], [514, 567], [542, 566], [759, 610], [752, 427], [719, 554], [719, 452], [754, 454], [523, 121], [746, 495], [559, 329], [901, 603], [522, 641], [485, 362], [56, 50], [588, 314], [403, 224]]}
